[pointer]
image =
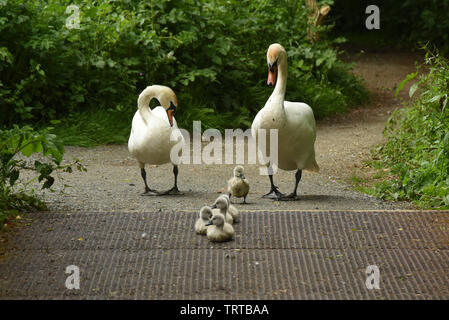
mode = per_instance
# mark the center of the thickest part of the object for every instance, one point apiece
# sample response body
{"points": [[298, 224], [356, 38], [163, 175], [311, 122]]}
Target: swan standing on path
{"points": [[294, 121], [150, 140]]}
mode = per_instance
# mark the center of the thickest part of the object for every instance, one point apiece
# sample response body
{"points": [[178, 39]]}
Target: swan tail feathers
{"points": [[313, 167]]}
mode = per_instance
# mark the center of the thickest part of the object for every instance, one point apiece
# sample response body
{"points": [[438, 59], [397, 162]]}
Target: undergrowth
{"points": [[17, 146], [413, 164], [212, 53]]}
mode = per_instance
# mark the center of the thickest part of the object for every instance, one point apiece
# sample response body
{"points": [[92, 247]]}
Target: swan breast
{"points": [[151, 142]]}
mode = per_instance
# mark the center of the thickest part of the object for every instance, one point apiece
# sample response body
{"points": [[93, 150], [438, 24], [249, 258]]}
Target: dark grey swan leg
{"points": [[174, 190], [274, 192], [293, 196], [148, 191]]}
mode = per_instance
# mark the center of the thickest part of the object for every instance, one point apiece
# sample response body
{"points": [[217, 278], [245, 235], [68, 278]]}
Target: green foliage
{"points": [[430, 23], [417, 150], [407, 21], [92, 128], [212, 53], [15, 144]]}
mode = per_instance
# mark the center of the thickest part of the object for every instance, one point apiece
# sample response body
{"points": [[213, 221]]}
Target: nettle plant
{"points": [[17, 146], [417, 149]]}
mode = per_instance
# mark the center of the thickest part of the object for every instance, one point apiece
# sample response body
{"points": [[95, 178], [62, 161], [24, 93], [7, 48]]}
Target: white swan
{"points": [[221, 206], [232, 210], [149, 141], [238, 186], [219, 230], [294, 121], [204, 217]]}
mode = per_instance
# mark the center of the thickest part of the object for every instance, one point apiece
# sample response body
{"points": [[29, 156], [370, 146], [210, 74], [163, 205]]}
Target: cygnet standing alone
{"points": [[238, 186]]}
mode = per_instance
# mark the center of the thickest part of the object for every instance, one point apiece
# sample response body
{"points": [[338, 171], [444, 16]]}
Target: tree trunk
{"points": [[316, 18]]}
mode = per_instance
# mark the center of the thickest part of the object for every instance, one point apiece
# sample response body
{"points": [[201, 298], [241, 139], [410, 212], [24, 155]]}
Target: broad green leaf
{"points": [[31, 147], [413, 89], [409, 77]]}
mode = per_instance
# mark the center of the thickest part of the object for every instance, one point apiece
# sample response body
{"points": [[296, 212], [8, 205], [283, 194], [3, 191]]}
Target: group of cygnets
{"points": [[216, 221]]}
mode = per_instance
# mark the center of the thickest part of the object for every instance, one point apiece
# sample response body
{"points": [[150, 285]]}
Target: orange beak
{"points": [[272, 76], [170, 114]]}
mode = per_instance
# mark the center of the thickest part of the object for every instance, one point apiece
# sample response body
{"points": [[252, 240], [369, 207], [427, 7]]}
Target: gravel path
{"points": [[113, 181]]}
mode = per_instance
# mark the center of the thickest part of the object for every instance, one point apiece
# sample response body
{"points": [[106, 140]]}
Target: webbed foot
{"points": [[173, 192], [150, 192], [274, 194], [290, 197]]}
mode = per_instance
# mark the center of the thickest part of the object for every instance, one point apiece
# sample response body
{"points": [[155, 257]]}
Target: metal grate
{"points": [[275, 255]]}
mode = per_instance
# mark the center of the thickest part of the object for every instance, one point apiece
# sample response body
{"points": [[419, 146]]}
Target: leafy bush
{"points": [[417, 150], [27, 142], [212, 53], [407, 21]]}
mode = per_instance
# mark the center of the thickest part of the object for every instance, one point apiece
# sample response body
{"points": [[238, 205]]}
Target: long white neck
{"points": [[281, 82], [143, 103], [276, 101]]}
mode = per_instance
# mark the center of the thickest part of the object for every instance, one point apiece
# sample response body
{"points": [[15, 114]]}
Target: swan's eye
{"points": [[172, 106], [271, 66]]}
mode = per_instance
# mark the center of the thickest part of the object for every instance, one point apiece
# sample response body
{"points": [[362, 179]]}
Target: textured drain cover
{"points": [[275, 255]]}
